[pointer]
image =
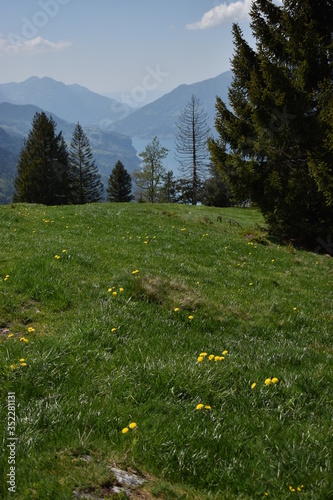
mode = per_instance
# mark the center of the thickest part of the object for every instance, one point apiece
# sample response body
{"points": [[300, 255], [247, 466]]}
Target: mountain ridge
{"points": [[72, 102], [160, 117]]}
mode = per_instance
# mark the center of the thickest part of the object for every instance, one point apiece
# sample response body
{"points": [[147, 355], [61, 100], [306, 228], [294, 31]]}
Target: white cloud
{"points": [[36, 45], [224, 12]]}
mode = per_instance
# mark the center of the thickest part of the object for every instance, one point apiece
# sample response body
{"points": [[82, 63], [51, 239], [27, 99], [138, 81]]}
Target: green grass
{"points": [[98, 361]]}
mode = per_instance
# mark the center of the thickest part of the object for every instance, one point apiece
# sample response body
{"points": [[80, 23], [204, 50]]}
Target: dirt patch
{"points": [[167, 293]]}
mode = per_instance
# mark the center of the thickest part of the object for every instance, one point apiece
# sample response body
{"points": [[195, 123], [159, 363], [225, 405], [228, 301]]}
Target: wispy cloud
{"points": [[225, 12], [36, 45]]}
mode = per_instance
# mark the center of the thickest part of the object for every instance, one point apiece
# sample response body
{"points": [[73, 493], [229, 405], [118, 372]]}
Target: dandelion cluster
{"points": [[22, 363], [211, 357], [270, 381], [114, 291], [131, 426], [200, 406], [299, 488]]}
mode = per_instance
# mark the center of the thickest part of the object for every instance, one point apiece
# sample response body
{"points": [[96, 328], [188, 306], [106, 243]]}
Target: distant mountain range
{"points": [[159, 118], [110, 137], [72, 102], [15, 124]]}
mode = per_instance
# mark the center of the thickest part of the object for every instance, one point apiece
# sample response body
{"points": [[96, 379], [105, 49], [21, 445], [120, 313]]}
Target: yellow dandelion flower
{"points": [[10, 335], [190, 317], [132, 425], [217, 358], [13, 367], [251, 284], [268, 381], [114, 294], [211, 357], [25, 340], [183, 229], [109, 290], [221, 358], [21, 360], [176, 309], [124, 430], [64, 251], [203, 354], [199, 406], [275, 380], [121, 289], [136, 271], [298, 488], [253, 385], [224, 353], [23, 364], [295, 308], [200, 359], [207, 407], [146, 242], [57, 256], [113, 329], [31, 329]]}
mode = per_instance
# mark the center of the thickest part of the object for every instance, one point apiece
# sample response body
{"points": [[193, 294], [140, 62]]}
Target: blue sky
{"points": [[118, 45]]}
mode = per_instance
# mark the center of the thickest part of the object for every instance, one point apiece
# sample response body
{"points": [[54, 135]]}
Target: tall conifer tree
{"points": [[191, 145], [276, 145], [42, 171], [86, 185], [119, 184]]}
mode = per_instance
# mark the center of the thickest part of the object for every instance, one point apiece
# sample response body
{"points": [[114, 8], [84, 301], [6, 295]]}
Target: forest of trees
{"points": [[49, 172]]}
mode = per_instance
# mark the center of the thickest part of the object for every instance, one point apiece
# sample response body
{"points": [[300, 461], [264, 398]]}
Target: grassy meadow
{"points": [[186, 321]]}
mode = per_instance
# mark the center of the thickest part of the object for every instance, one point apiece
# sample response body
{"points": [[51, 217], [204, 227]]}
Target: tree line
{"points": [[50, 173]]}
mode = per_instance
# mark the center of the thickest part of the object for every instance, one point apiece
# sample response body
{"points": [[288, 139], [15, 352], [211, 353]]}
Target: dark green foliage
{"points": [[119, 184], [216, 192], [86, 185], [8, 162], [191, 144], [276, 146], [42, 171], [186, 194], [169, 188]]}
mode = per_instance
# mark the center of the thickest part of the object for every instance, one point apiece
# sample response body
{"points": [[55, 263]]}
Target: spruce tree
{"points": [[119, 184], [86, 185], [42, 170], [191, 145], [275, 146]]}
